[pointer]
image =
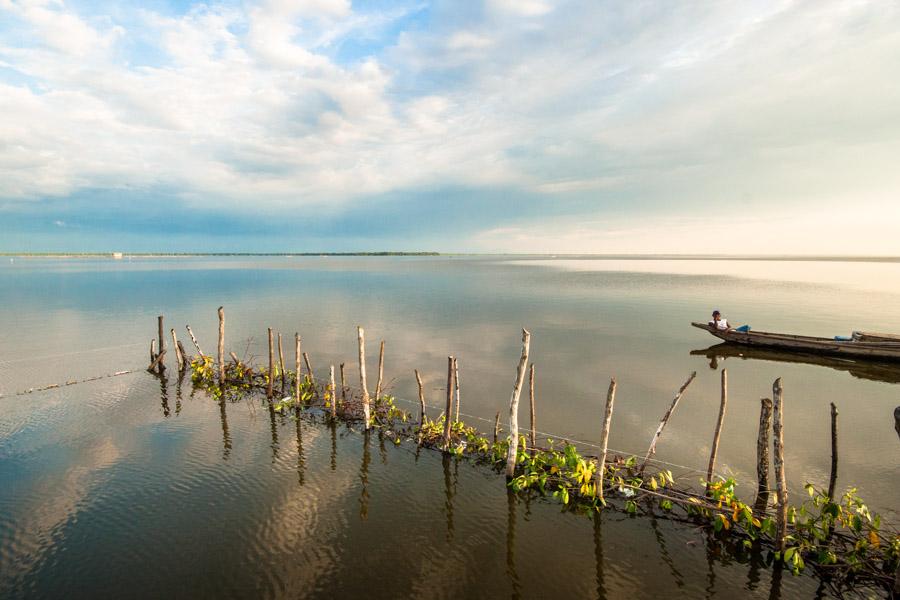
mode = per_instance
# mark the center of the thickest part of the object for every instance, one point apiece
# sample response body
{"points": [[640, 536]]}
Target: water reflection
{"points": [[449, 493], [598, 553], [273, 427], [364, 477], [664, 552], [511, 573], [178, 383], [226, 437], [332, 426], [301, 461], [164, 393]]}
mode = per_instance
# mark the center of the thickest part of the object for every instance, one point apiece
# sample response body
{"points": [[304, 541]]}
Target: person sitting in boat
{"points": [[719, 322]]}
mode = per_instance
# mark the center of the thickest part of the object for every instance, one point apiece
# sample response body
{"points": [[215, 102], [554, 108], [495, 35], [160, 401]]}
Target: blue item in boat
{"points": [[843, 338], [743, 328]]}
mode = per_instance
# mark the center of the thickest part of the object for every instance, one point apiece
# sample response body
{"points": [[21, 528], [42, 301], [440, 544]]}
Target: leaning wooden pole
{"points": [[604, 435], [780, 479], [309, 371], [333, 395], [762, 457], [281, 365], [456, 385], [378, 385], [152, 349], [162, 343], [531, 402], [194, 340], [361, 335], [832, 480], [448, 412], [222, 345], [421, 403], [715, 443], [298, 379], [662, 424], [179, 357], [156, 361], [270, 384], [497, 427], [512, 454]]}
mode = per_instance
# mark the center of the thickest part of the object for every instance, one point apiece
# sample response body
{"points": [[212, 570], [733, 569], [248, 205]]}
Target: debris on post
{"points": [[662, 424], [512, 455]]}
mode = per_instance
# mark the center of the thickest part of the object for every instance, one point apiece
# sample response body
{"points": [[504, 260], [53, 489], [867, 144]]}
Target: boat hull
{"points": [[882, 349]]}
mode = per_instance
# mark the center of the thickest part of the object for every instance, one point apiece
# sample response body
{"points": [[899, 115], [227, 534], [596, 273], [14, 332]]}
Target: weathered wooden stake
{"points": [[184, 355], [343, 385], [380, 373], [179, 357], [309, 371], [361, 334], [156, 361], [281, 365], [715, 444], [832, 480], [234, 358], [780, 479], [662, 424], [194, 339], [270, 384], [497, 427], [448, 412], [162, 343], [604, 434], [333, 395], [456, 385], [512, 455], [762, 457], [152, 349], [531, 401], [222, 345], [298, 378], [421, 403]]}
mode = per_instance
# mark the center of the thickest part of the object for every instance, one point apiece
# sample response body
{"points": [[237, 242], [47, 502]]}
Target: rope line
{"points": [[35, 358]]}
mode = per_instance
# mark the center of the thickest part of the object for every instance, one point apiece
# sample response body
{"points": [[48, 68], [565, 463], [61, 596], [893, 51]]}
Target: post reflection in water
{"points": [[164, 394], [332, 425], [273, 426], [511, 501], [777, 572], [178, 383], [226, 437], [449, 492], [712, 555], [664, 552], [301, 461], [756, 563], [382, 451], [598, 554], [364, 477]]}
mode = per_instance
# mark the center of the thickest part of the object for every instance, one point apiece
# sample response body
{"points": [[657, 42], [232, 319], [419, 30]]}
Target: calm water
{"points": [[129, 486]]}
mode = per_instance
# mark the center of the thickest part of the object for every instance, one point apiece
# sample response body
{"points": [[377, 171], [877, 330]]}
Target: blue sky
{"points": [[495, 125]]}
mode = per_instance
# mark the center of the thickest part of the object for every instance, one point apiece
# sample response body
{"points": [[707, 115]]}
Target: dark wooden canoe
{"points": [[872, 346]]}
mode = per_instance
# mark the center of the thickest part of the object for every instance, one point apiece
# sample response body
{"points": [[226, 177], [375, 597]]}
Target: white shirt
{"points": [[721, 325]]}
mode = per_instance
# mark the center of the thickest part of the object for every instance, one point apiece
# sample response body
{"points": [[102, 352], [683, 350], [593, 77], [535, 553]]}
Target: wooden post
{"points": [[184, 356], [456, 385], [152, 349], [343, 385], [281, 364], [512, 455], [531, 401], [604, 435], [179, 357], [715, 444], [497, 427], [156, 361], [421, 400], [194, 339], [222, 345], [762, 457], [297, 381], [234, 358], [162, 343], [312, 378], [380, 373], [361, 334], [780, 479], [270, 384], [662, 424], [832, 480], [333, 395], [448, 412]]}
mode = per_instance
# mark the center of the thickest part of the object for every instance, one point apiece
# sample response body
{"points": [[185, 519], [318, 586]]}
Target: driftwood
{"points": [[780, 479], [715, 443], [221, 345], [270, 383], [156, 361], [162, 344], [531, 402], [380, 373], [762, 456], [194, 340], [514, 407], [604, 435], [662, 424], [832, 480], [448, 413], [361, 335]]}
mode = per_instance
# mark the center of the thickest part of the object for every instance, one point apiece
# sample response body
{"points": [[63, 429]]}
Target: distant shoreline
{"points": [[685, 257]]}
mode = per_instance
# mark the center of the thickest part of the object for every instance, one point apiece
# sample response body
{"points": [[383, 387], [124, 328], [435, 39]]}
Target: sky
{"points": [[475, 126]]}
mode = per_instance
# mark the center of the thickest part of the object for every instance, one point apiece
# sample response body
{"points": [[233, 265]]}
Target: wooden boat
{"points": [[878, 346]]}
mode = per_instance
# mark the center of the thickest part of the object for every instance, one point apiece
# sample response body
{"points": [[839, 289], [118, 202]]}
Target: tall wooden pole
{"points": [[333, 395], [270, 385], [604, 435], [298, 378], [832, 480], [178, 355], [762, 457], [361, 334], [780, 479], [662, 424], [281, 365], [222, 345], [715, 443], [380, 373], [531, 401], [512, 455], [456, 385], [448, 413], [162, 343]]}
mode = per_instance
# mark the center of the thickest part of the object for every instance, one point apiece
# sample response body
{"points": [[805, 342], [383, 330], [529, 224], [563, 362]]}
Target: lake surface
{"points": [[128, 485]]}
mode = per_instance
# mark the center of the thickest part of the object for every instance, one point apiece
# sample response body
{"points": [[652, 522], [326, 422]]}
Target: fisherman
{"points": [[719, 322]]}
